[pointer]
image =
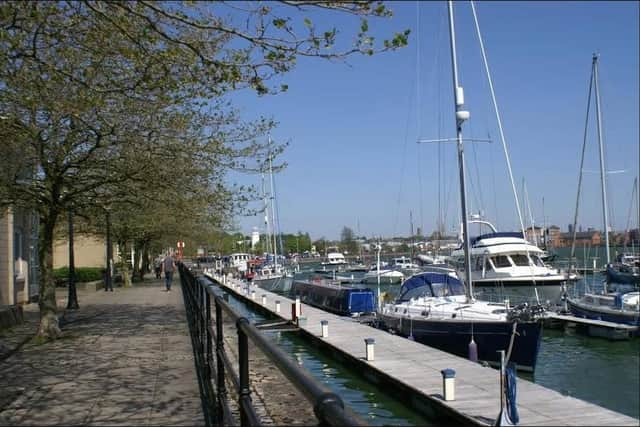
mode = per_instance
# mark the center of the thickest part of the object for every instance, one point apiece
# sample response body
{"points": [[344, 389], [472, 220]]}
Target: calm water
{"points": [[376, 407], [603, 372]]}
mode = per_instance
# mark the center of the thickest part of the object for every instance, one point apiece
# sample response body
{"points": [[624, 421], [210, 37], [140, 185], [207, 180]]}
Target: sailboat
{"points": [[611, 307], [272, 274], [439, 310], [626, 269]]}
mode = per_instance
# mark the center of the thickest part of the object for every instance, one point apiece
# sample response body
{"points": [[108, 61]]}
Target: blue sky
{"points": [[353, 126]]}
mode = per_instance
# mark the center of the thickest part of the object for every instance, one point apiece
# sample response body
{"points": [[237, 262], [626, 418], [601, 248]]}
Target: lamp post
{"points": [[72, 300], [108, 283]]}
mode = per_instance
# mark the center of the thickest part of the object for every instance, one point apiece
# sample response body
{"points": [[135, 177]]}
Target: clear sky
{"points": [[353, 157]]}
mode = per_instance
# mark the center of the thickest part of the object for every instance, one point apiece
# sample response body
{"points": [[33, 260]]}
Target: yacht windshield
{"points": [[520, 260], [430, 285]]}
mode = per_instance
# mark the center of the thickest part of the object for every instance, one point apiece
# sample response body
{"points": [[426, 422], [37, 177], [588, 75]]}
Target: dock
{"points": [[595, 328], [414, 370]]}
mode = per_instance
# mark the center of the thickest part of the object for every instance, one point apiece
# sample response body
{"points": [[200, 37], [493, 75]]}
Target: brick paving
{"points": [[125, 358]]}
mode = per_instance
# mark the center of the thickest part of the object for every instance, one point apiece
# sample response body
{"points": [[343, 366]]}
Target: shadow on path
{"points": [[125, 358]]}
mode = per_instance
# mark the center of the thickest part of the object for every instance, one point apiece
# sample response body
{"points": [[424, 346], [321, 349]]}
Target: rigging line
{"points": [[633, 199], [479, 198], [440, 124], [419, 108], [493, 182], [584, 146], [495, 106], [404, 159]]}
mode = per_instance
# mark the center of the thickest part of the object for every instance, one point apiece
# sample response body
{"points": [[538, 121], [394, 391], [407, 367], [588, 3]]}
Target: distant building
{"points": [[554, 236], [535, 235], [583, 238], [255, 237]]}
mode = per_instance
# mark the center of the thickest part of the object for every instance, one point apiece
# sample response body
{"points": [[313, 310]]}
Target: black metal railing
{"points": [[212, 377]]}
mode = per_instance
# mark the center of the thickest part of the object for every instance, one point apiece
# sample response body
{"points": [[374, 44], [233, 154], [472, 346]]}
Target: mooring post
{"points": [[324, 325]]}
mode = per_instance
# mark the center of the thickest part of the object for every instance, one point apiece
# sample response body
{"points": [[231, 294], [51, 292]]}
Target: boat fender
{"points": [[473, 351]]}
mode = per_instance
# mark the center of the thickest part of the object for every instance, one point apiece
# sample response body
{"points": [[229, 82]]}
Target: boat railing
{"points": [[215, 369]]}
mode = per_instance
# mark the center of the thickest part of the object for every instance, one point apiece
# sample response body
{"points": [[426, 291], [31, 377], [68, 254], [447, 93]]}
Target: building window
{"points": [[17, 243]]}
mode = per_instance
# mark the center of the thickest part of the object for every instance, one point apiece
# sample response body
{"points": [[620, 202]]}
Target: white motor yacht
{"points": [[504, 265]]}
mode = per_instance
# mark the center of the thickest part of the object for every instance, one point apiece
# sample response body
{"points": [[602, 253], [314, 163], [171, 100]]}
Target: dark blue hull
{"points": [[614, 275], [345, 301], [586, 311], [490, 337]]}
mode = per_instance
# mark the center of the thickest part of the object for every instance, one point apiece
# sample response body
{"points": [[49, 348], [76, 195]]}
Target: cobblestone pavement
{"points": [[125, 358]]}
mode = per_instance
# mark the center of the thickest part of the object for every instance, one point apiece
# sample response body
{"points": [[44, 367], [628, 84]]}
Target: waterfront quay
{"points": [[125, 358], [414, 370]]}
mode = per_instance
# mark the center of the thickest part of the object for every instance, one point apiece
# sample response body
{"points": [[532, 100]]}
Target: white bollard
{"points": [[253, 295], [264, 299], [277, 306], [298, 307], [448, 384], [370, 343], [324, 324]]}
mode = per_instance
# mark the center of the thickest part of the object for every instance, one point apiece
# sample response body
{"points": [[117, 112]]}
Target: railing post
{"points": [[209, 339], [220, 380], [243, 355]]}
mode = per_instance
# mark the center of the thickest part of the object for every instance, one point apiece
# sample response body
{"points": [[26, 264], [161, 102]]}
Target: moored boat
{"points": [[335, 298], [432, 308]]}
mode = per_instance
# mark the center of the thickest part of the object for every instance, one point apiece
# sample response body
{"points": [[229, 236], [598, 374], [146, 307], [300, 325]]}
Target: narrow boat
{"points": [[335, 298]]}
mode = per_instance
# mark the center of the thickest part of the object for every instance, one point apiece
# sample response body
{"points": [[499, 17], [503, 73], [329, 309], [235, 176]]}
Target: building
{"points": [[89, 251], [535, 235], [255, 237], [554, 236], [18, 256], [583, 238]]}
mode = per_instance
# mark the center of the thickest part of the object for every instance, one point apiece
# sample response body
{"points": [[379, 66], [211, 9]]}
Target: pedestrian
{"points": [[157, 266], [168, 266]]}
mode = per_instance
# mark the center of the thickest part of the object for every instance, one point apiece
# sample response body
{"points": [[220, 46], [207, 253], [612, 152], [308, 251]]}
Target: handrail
{"points": [[198, 291]]}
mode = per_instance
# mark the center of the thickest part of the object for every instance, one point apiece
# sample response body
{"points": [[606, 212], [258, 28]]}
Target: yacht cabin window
{"points": [[520, 260], [500, 261]]}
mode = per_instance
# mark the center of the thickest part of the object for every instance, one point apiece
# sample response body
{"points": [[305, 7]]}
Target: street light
{"points": [[72, 300], [108, 283]]}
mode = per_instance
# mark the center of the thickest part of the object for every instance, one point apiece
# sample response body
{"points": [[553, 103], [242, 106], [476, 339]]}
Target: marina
{"points": [[412, 366]]}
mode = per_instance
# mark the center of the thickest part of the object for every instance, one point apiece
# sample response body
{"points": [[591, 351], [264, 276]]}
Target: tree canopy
{"points": [[121, 106]]}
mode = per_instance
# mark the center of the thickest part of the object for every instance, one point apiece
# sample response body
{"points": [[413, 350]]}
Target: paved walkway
{"points": [[125, 358]]}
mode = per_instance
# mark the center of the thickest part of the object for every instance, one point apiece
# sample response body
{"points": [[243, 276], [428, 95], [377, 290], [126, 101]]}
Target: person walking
{"points": [[168, 266]]}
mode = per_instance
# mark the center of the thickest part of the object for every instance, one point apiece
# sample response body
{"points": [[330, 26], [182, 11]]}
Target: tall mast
{"points": [[266, 216], [273, 211], [603, 178], [461, 116]]}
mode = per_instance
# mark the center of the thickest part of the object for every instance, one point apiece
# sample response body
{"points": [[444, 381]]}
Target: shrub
{"points": [[83, 274]]}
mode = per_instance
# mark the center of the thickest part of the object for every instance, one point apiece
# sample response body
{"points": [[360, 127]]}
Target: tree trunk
{"points": [[49, 328], [136, 261], [145, 259], [126, 278]]}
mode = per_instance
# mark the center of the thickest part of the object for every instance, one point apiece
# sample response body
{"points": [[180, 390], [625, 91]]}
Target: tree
{"points": [[348, 242], [106, 105]]}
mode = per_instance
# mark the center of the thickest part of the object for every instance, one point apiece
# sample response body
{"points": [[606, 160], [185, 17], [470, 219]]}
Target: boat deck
{"points": [[415, 368]]}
